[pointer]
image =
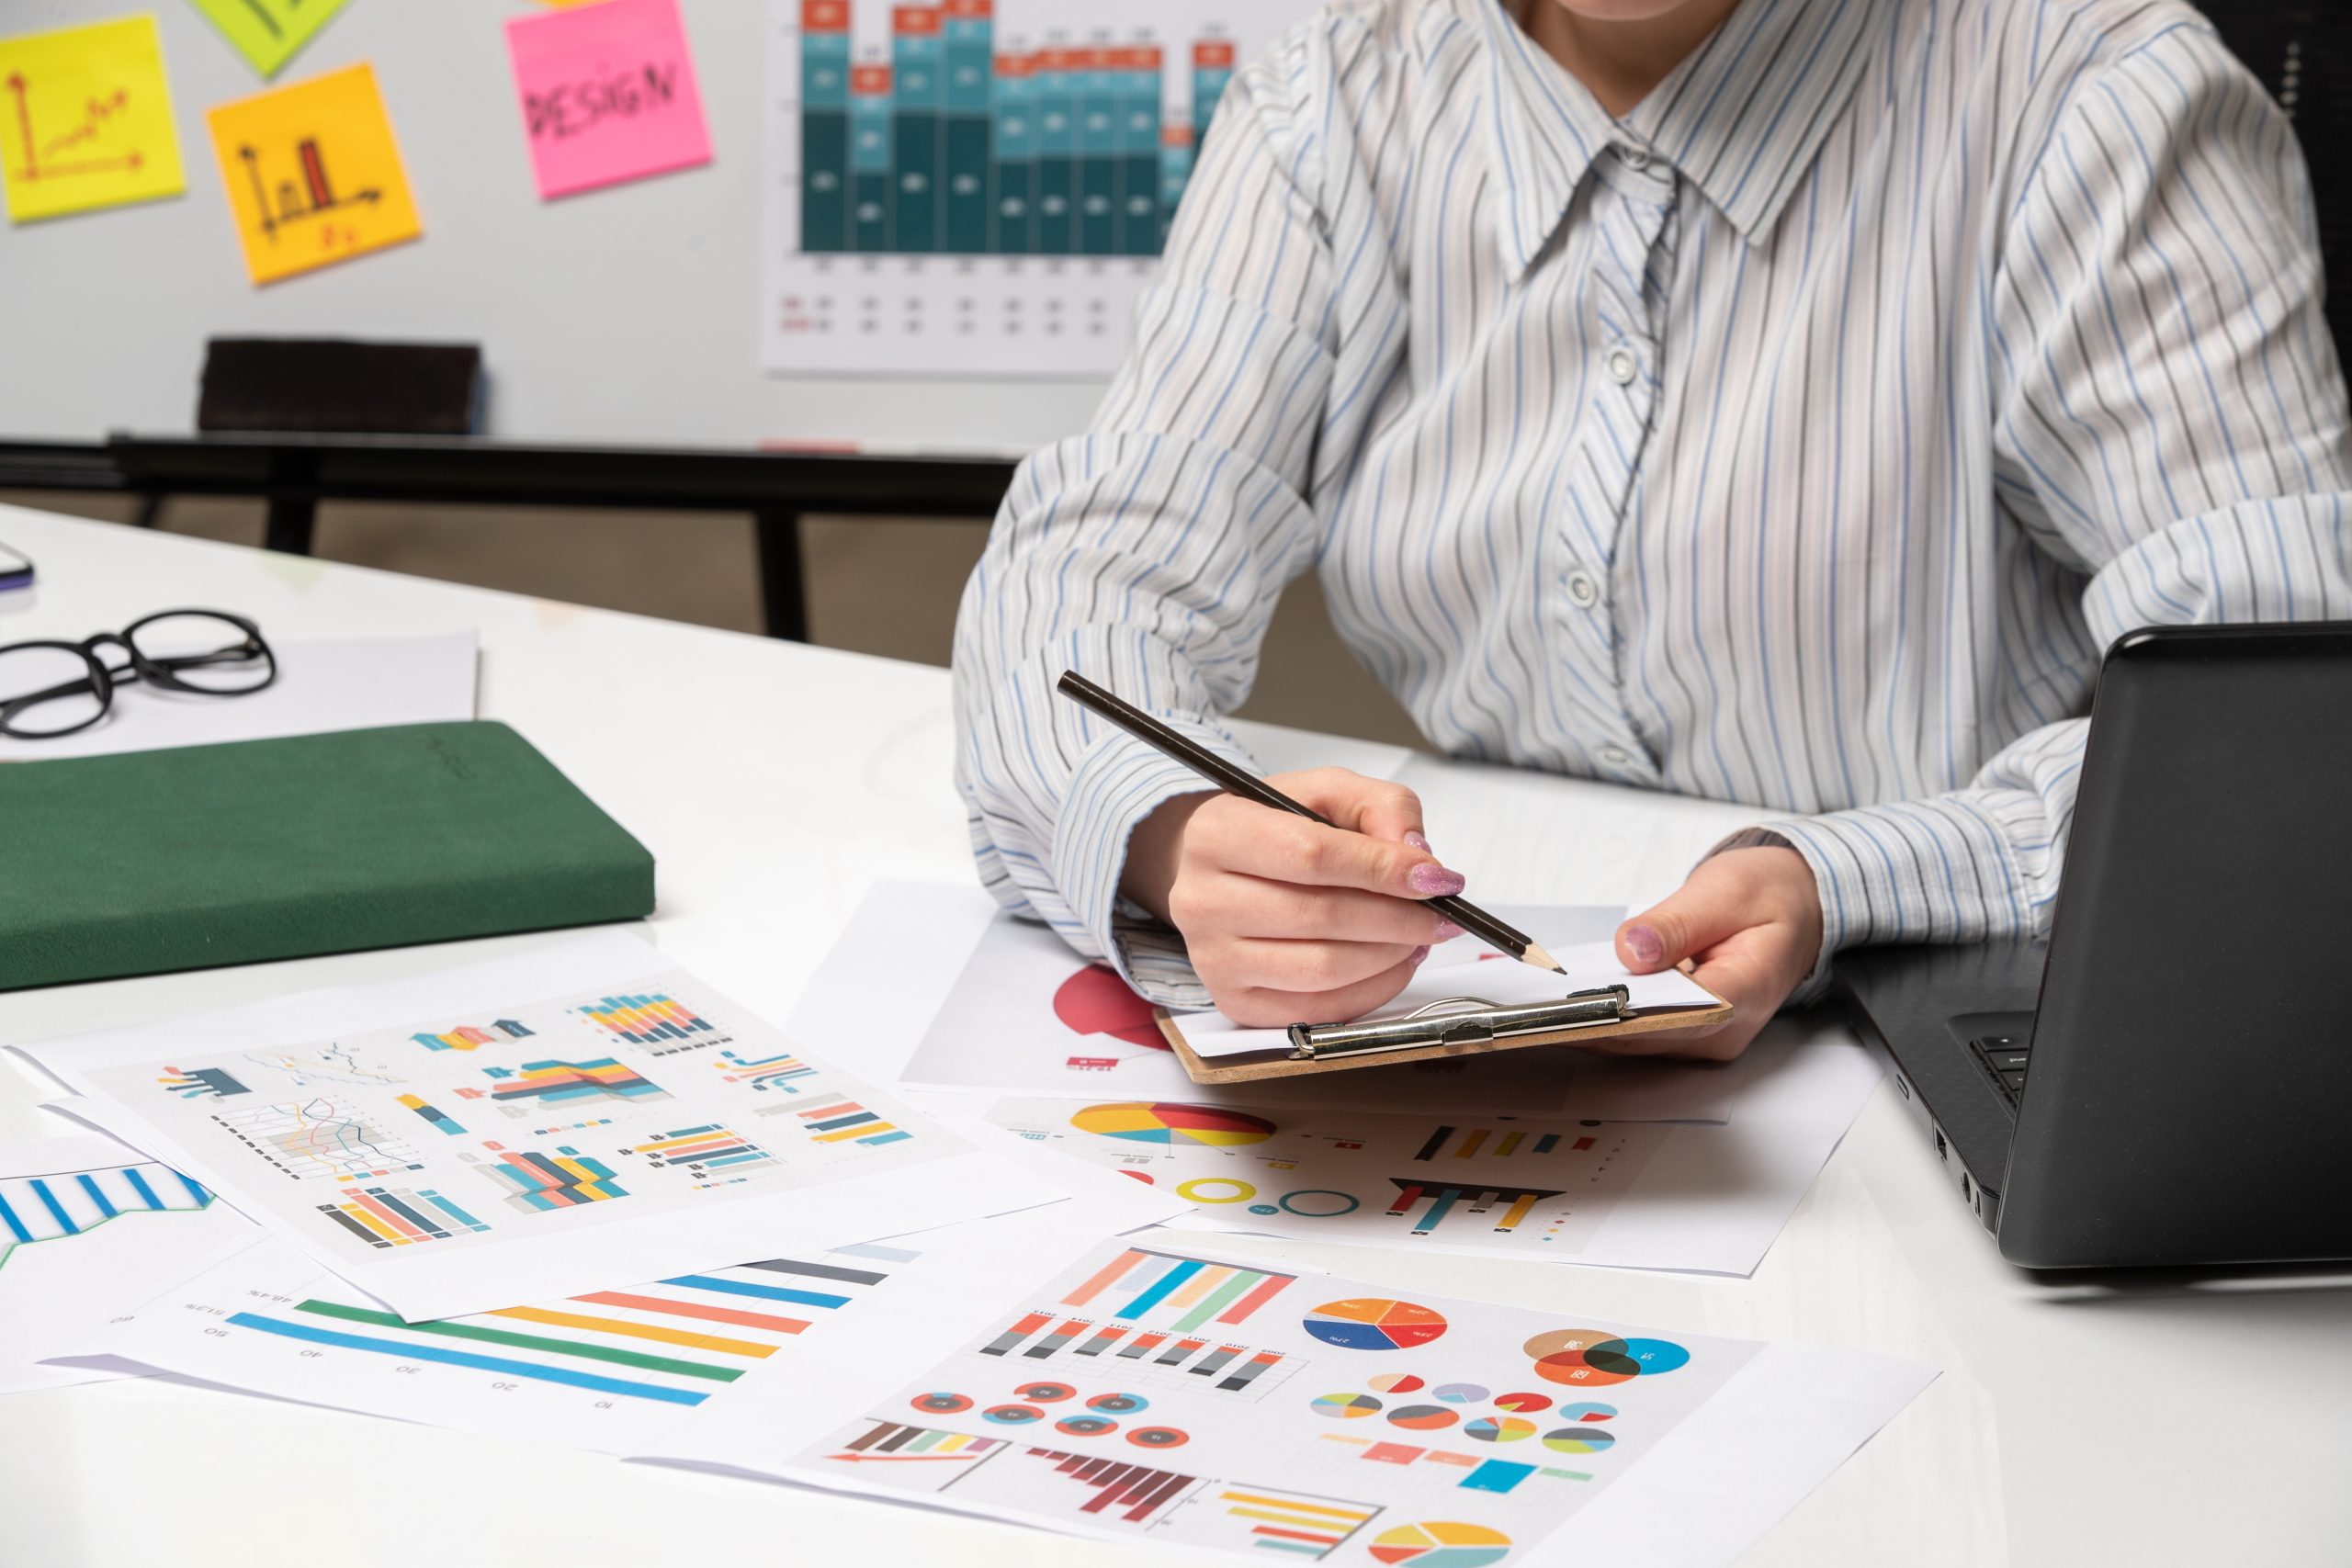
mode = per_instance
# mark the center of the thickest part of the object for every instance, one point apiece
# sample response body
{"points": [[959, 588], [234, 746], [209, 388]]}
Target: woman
{"points": [[1780, 400]]}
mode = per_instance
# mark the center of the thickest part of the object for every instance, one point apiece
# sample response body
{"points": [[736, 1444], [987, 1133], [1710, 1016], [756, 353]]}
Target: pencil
{"points": [[1226, 776]]}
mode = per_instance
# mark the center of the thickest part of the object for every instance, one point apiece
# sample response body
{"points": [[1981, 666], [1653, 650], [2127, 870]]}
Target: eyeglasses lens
{"points": [[46, 691], [204, 652]]}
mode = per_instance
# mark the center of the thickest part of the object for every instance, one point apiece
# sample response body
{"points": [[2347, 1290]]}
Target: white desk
{"points": [[2161, 1425]]}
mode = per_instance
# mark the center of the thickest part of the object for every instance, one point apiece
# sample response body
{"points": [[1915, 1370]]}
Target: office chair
{"points": [[2302, 51]]}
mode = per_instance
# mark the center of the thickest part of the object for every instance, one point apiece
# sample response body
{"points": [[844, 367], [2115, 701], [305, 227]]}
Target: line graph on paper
{"points": [[318, 1138]]}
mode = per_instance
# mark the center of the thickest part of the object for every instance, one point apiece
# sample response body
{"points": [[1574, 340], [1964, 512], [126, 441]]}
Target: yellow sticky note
{"points": [[313, 174], [87, 119]]}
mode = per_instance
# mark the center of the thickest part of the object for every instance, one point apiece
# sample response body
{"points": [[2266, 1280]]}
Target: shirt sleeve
{"points": [[1147, 554], [2171, 425]]}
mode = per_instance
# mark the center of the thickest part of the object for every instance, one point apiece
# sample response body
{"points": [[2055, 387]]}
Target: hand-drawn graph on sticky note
{"points": [[270, 32], [608, 95], [88, 120], [313, 174], [538, 1182], [714, 1155], [318, 1138]]}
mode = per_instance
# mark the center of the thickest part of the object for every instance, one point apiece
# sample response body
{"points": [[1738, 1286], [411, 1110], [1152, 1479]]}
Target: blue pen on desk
{"points": [[16, 570]]}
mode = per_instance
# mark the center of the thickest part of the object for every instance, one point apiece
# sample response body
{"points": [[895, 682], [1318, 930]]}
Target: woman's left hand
{"points": [[1750, 920]]}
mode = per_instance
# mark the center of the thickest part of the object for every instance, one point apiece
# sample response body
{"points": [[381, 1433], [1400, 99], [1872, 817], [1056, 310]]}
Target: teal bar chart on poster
{"points": [[982, 186]]}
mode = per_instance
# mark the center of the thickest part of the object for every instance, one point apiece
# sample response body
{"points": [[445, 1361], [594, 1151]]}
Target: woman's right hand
{"points": [[1286, 920]]}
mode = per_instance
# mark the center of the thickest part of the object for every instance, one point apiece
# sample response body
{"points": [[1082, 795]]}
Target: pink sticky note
{"points": [[608, 94]]}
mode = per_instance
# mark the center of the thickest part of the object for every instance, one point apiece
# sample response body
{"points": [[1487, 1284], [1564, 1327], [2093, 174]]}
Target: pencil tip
{"points": [[1540, 959]]}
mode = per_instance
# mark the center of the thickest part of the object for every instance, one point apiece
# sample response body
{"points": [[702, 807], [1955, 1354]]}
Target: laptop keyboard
{"points": [[2004, 1057]]}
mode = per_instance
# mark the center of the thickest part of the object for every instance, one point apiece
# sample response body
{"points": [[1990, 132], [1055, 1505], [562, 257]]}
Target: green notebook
{"points": [[202, 855]]}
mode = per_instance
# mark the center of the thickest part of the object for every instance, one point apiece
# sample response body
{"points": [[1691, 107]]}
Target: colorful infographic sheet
{"points": [[88, 120], [1025, 1015], [1703, 1196], [528, 1128], [313, 174], [1152, 1392], [88, 1230], [610, 1369], [607, 93]]}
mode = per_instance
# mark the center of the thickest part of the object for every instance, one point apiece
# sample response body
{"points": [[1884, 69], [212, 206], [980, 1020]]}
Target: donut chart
{"points": [[1140, 1122], [1374, 1323], [1441, 1543], [1593, 1358]]}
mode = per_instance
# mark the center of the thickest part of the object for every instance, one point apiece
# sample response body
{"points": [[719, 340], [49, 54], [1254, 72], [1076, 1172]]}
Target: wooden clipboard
{"points": [[1282, 1062]]}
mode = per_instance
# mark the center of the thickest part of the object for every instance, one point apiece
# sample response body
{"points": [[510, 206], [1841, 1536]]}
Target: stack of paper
{"points": [[581, 1191]]}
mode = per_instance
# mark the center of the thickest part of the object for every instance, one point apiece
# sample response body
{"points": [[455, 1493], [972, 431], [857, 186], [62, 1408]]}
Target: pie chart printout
{"points": [[1346, 1406], [1590, 1357], [1096, 1001], [1440, 1543], [1374, 1323], [1175, 1124]]}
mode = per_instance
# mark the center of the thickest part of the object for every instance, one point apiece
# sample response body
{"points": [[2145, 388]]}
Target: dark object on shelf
{"points": [[319, 385]]}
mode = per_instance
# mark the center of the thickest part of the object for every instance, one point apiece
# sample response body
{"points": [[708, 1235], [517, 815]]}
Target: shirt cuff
{"points": [[1119, 782], [1938, 870]]}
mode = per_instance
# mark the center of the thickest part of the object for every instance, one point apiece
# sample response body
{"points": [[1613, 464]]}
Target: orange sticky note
{"points": [[85, 119], [313, 174]]}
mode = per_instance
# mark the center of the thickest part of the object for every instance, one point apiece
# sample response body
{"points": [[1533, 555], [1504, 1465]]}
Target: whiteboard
{"points": [[628, 316]]}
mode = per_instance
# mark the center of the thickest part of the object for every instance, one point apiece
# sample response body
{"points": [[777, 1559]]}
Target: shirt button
{"points": [[1583, 592], [1624, 365], [1615, 756], [1633, 158]]}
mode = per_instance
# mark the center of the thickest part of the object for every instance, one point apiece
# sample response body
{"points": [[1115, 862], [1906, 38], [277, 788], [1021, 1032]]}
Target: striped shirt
{"points": [[1801, 439]]}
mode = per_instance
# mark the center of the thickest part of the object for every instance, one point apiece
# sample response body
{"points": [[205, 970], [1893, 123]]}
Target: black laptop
{"points": [[2167, 1080]]}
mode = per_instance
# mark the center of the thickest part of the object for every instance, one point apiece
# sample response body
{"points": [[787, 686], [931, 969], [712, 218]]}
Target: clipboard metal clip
{"points": [[1460, 1021]]}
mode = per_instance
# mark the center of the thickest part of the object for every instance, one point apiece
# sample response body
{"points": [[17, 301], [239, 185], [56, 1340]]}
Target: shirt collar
{"points": [[1742, 118]]}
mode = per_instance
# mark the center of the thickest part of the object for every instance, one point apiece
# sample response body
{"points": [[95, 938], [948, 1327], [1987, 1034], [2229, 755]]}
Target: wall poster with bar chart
{"points": [[524, 1128], [982, 186]]}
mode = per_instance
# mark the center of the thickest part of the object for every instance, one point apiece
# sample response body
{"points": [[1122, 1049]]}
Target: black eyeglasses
{"points": [[49, 689]]}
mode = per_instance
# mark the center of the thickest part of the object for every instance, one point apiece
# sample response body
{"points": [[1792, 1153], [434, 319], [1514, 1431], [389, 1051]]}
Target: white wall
{"points": [[622, 317]]}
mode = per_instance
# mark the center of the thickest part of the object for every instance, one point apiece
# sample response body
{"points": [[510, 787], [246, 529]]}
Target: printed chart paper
{"points": [[613, 1369], [88, 120], [1028, 1016], [1708, 1197], [979, 187], [89, 1230], [313, 174], [268, 33], [528, 1128], [607, 94], [1153, 1392]]}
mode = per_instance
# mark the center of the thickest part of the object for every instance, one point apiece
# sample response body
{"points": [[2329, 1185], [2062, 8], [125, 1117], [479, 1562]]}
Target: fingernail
{"points": [[1414, 837], [1434, 881], [1446, 932], [1644, 944], [1419, 953]]}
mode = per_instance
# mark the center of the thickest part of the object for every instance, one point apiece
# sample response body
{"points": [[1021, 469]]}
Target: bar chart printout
{"points": [[914, 141]]}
